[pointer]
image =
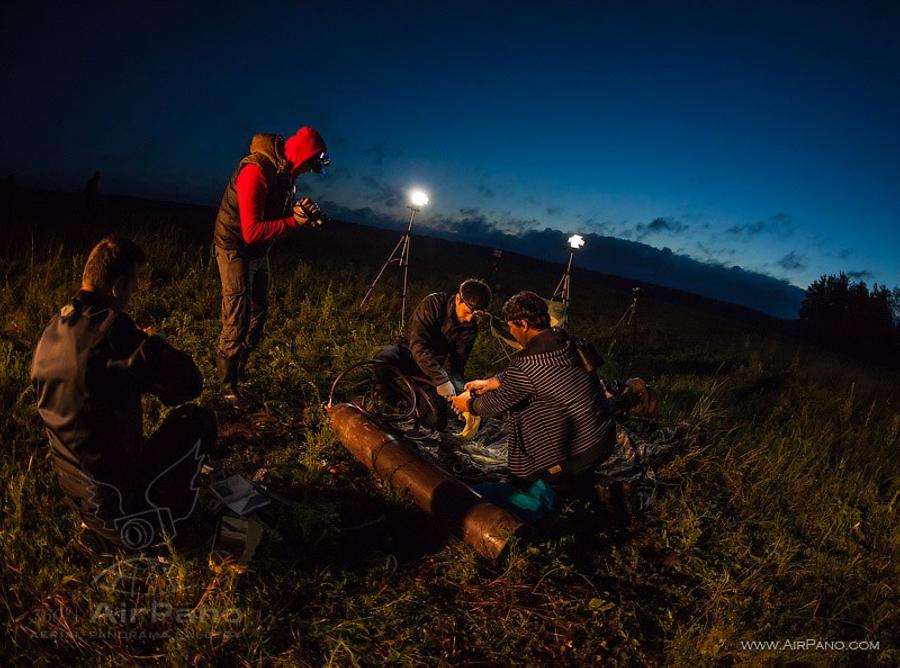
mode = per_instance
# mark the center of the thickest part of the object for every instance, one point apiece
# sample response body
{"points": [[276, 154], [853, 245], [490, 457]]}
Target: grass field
{"points": [[779, 525]]}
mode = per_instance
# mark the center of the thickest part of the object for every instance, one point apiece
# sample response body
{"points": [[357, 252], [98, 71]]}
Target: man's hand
{"points": [[483, 384], [447, 390], [307, 212], [460, 403]]}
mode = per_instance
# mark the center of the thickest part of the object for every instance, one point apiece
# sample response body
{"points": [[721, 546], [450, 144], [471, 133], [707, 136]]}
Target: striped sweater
{"points": [[555, 409]]}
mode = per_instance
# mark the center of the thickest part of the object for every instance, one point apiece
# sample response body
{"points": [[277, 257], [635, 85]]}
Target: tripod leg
{"points": [[562, 288], [559, 285], [634, 330], [630, 321], [625, 321], [404, 261], [390, 259]]}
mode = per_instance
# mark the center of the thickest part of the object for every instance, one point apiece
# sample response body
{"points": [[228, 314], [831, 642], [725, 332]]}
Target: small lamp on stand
{"points": [[561, 294], [400, 254]]}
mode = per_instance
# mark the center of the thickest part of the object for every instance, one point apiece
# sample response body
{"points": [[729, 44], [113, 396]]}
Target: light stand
{"points": [[561, 294], [400, 255]]}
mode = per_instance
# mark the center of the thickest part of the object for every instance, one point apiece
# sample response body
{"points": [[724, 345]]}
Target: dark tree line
{"points": [[850, 318]]}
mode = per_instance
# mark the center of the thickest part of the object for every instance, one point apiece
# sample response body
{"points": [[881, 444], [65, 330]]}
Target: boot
{"points": [[227, 371], [242, 358]]}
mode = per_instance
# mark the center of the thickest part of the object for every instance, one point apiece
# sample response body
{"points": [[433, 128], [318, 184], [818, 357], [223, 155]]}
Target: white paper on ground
{"points": [[239, 495]]}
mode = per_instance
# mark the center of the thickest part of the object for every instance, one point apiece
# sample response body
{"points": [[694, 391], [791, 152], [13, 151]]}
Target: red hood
{"points": [[305, 143]]}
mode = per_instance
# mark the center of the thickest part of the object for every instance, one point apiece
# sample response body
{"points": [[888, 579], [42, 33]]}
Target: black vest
{"points": [[279, 200]]}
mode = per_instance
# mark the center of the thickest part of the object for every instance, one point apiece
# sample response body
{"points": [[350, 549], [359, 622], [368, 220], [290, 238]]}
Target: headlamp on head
{"points": [[475, 294], [320, 162], [477, 311]]}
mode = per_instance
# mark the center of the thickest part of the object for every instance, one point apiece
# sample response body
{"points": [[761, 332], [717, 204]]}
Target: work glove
{"points": [[446, 390], [307, 212], [460, 403]]}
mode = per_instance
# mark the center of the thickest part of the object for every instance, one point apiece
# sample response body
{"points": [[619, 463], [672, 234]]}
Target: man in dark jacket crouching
{"points": [[439, 339], [559, 423], [90, 368]]}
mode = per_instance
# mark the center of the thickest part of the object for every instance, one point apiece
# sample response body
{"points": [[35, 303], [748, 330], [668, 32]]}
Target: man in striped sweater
{"points": [[559, 422]]}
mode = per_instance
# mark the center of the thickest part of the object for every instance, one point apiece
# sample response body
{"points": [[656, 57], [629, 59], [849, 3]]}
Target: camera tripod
{"points": [[400, 255], [629, 318]]}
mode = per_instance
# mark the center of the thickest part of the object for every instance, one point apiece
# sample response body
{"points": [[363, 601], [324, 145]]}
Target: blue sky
{"points": [[759, 135]]}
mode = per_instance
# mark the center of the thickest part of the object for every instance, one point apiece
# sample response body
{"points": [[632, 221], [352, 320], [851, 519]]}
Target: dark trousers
{"points": [[162, 495], [245, 286], [174, 454], [433, 408]]}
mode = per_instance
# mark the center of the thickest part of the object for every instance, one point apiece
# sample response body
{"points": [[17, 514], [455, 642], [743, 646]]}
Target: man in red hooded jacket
{"points": [[257, 208]]}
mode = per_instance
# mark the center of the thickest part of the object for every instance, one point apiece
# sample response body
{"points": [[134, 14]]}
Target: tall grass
{"points": [[779, 524]]}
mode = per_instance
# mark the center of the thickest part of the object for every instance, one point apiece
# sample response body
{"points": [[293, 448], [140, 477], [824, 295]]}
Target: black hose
{"points": [[409, 390]]}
